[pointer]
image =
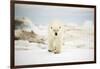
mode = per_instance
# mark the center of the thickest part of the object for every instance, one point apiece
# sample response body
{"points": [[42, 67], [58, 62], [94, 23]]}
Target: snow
{"points": [[78, 46], [32, 53]]}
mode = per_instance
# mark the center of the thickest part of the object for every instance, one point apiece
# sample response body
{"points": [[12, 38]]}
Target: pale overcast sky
{"points": [[40, 14]]}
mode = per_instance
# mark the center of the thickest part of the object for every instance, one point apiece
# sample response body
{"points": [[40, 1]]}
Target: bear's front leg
{"points": [[50, 46], [57, 48]]}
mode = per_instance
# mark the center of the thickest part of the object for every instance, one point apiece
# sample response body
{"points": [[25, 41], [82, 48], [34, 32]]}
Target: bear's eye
{"points": [[51, 27], [60, 27]]}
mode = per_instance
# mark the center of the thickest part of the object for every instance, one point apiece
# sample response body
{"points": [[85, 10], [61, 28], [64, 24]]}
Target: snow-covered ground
{"points": [[31, 53], [78, 46]]}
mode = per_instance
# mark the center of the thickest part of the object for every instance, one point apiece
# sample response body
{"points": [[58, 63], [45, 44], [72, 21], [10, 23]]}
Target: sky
{"points": [[42, 14]]}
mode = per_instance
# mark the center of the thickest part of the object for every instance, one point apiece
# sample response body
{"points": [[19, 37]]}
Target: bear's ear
{"points": [[59, 27], [51, 27]]}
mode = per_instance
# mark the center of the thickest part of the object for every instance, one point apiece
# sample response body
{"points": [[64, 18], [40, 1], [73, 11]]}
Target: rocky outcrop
{"points": [[22, 23], [30, 36], [22, 34]]}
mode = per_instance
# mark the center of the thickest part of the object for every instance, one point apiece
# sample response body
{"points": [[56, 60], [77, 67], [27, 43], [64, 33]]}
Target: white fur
{"points": [[55, 42]]}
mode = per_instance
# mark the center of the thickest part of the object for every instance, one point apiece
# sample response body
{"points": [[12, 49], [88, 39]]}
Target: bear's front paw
{"points": [[50, 50], [56, 52]]}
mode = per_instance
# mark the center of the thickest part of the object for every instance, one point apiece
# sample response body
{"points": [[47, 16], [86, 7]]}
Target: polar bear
{"points": [[55, 36]]}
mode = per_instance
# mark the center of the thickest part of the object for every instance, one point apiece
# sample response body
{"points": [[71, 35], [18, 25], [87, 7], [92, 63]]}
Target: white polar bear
{"points": [[55, 37]]}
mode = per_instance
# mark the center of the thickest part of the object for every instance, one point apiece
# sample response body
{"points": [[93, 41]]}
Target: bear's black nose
{"points": [[56, 34]]}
